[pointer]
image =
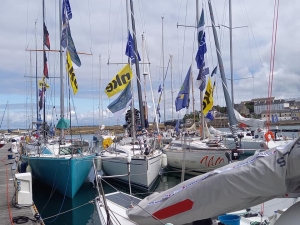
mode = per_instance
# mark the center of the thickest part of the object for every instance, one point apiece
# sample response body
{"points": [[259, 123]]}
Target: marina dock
{"points": [[9, 213]]}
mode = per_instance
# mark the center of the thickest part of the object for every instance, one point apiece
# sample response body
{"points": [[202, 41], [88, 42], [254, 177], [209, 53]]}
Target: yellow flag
{"points": [[208, 100], [42, 83], [71, 73], [119, 82]]}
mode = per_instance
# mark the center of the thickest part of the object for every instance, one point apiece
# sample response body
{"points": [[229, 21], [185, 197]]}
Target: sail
{"points": [[233, 187], [252, 122]]}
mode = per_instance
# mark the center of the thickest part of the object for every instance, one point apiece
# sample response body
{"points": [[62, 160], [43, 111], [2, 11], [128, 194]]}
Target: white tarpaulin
{"points": [[249, 121], [233, 187]]}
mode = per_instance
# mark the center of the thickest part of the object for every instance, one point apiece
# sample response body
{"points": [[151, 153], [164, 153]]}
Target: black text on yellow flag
{"points": [[71, 73], [120, 81], [208, 100]]}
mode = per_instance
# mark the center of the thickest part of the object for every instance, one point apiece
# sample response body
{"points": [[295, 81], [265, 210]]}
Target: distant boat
{"points": [[61, 164]]}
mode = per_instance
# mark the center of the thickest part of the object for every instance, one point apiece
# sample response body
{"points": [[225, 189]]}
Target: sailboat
{"points": [[61, 164], [191, 153], [261, 138], [145, 158], [237, 186]]}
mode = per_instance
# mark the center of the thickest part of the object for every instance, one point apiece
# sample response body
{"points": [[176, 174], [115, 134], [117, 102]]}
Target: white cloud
{"points": [[100, 27]]}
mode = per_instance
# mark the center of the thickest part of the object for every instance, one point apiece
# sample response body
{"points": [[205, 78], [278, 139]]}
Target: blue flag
{"points": [[177, 126], [130, 51], [119, 105], [66, 11], [273, 121], [71, 48], [182, 100], [202, 78], [210, 115], [200, 53], [275, 118]]}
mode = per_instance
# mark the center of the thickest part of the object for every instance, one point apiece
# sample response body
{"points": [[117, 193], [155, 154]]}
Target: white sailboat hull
{"points": [[196, 160], [251, 145], [143, 170]]}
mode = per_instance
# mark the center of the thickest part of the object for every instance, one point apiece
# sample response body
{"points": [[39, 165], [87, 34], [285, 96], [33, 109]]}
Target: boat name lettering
{"points": [[210, 161]]}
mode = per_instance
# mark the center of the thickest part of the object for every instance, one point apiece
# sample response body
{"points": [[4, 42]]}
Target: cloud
{"points": [[100, 28]]}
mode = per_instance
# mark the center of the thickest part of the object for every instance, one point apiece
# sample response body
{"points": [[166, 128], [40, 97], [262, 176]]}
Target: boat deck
{"points": [[8, 212], [122, 199]]}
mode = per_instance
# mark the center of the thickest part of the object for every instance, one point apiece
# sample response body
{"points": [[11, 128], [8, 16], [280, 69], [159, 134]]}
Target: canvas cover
{"points": [[251, 122], [236, 186]]}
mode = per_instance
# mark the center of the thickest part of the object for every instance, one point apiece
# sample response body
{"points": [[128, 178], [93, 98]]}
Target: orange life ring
{"points": [[268, 135]]}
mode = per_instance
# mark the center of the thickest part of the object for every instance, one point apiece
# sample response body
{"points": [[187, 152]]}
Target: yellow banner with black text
{"points": [[208, 100], [71, 73], [119, 82]]}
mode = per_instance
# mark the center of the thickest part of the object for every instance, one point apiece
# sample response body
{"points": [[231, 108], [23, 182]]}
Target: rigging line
{"points": [[209, 34], [108, 44], [273, 51], [114, 31], [186, 7], [64, 194], [90, 26], [251, 61], [240, 48], [178, 49], [141, 11], [83, 27], [89, 202], [248, 21], [195, 35]]}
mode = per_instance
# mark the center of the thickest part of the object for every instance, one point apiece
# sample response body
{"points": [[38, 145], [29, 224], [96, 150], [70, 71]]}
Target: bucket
{"points": [[9, 156], [230, 219]]}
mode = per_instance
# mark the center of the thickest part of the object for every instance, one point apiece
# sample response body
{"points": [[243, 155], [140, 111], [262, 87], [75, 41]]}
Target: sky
{"points": [[99, 29]]}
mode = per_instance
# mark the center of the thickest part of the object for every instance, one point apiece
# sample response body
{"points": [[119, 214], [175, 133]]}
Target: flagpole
{"points": [[201, 92], [137, 67]]}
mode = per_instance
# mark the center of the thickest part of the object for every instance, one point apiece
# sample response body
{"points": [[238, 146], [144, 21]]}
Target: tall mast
{"points": [[43, 87], [100, 93], [230, 44], [201, 92], [163, 64], [171, 58], [36, 79], [137, 67], [61, 73], [131, 83], [231, 116]]}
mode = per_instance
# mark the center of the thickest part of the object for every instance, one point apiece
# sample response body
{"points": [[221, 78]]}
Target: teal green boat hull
{"points": [[64, 175]]}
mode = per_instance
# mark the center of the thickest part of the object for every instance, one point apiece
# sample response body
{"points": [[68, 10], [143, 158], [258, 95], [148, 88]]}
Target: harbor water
{"points": [[59, 210]]}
